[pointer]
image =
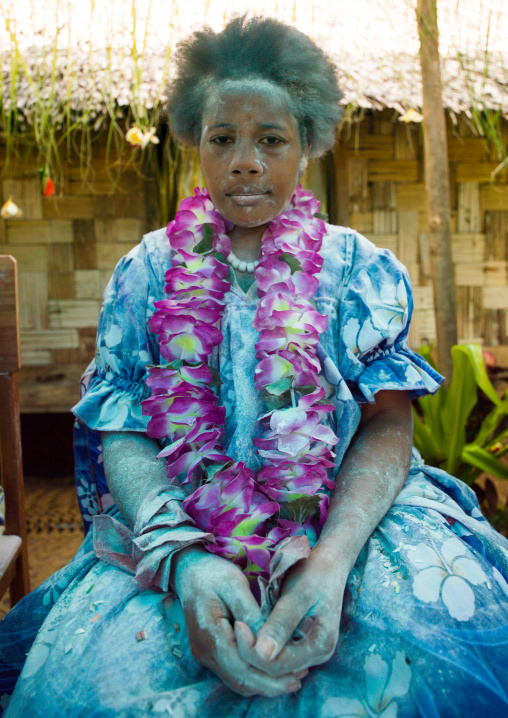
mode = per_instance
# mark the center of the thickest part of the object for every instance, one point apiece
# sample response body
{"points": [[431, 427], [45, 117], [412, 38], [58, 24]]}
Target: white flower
{"points": [[411, 116], [392, 313], [389, 315], [113, 337], [415, 374], [382, 686], [499, 578], [445, 573], [361, 340], [138, 138], [10, 210]]}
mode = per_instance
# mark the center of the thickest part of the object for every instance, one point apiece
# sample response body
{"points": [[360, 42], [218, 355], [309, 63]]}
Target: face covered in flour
{"points": [[250, 151]]}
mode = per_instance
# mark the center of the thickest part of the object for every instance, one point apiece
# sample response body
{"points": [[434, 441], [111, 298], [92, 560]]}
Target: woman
{"points": [[400, 608]]}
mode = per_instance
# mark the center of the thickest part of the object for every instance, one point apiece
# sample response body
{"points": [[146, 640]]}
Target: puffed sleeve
{"points": [[374, 317], [124, 346]]}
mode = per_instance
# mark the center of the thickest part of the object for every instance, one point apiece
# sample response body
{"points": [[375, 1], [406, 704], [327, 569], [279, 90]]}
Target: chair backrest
{"points": [[15, 568], [10, 353]]}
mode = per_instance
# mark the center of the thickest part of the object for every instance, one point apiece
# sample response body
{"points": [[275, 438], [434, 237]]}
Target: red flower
{"points": [[48, 187]]}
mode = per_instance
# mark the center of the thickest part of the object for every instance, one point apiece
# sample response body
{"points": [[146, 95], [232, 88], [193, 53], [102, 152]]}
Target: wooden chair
{"points": [[13, 543]]}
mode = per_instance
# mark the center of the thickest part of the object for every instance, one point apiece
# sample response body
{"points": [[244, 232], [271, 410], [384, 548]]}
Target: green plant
{"points": [[441, 422]]}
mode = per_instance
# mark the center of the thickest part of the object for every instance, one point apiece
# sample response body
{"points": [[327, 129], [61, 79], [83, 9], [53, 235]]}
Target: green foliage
{"points": [[57, 126], [276, 401], [206, 244], [300, 509], [442, 421], [279, 387], [291, 260]]}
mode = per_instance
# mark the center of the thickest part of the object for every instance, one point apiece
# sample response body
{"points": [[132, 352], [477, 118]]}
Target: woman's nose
{"points": [[245, 161]]}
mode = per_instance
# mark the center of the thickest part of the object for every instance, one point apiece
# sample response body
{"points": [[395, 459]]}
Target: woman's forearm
{"points": [[371, 475], [131, 469]]}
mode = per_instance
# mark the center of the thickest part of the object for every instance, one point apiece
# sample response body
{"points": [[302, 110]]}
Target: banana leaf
{"points": [[474, 352], [489, 426], [483, 460], [423, 438], [460, 400]]}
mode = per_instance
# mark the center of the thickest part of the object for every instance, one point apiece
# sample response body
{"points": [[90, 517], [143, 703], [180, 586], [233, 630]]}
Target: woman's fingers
{"points": [[316, 648], [244, 607], [280, 625], [239, 675]]}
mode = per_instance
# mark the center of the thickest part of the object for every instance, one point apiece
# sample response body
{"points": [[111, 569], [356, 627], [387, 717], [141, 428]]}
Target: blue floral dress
{"points": [[424, 627]]}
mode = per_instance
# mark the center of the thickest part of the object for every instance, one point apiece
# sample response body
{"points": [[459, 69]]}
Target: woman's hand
{"points": [[312, 592], [215, 594]]}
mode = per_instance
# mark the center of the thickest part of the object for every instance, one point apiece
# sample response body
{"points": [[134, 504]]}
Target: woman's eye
{"points": [[219, 140], [273, 140]]}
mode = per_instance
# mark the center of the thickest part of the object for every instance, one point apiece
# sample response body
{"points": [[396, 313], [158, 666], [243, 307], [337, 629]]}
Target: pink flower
{"points": [[193, 213], [182, 239], [201, 308], [275, 367], [194, 344], [251, 553], [181, 281], [186, 457], [231, 502], [288, 234], [292, 431], [204, 265], [196, 211], [271, 271], [279, 310], [290, 480], [172, 412], [286, 528], [281, 338]]}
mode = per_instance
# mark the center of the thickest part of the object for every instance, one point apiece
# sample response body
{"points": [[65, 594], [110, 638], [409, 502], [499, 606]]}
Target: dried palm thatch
{"points": [[82, 59]]}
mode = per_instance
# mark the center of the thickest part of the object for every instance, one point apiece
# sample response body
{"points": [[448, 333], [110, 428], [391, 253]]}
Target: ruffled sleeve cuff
{"points": [[398, 368], [162, 529], [112, 403]]}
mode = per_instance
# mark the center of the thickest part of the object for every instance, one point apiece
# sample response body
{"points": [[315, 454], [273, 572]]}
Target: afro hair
{"points": [[257, 48]]}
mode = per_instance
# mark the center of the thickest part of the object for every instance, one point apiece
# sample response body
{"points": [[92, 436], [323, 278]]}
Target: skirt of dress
{"points": [[424, 631]]}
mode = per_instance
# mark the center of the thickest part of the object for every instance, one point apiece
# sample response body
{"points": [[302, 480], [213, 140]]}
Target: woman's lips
{"points": [[246, 200]]}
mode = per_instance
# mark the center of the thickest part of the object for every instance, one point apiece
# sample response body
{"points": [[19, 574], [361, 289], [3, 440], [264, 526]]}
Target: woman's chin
{"points": [[252, 216]]}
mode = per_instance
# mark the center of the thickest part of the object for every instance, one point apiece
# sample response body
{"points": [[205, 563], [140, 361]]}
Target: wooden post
{"points": [[437, 183], [10, 432]]}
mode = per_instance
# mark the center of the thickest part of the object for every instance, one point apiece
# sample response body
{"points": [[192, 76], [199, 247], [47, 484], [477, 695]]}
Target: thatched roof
{"points": [[373, 42]]}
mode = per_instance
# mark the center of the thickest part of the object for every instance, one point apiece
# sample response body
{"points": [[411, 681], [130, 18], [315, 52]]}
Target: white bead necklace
{"points": [[240, 265]]}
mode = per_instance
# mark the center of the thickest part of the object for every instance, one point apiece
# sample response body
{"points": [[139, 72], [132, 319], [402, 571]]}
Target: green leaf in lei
{"points": [[321, 215], [213, 469], [300, 509], [206, 244], [307, 389], [216, 380], [279, 387], [176, 364], [292, 261], [274, 401]]}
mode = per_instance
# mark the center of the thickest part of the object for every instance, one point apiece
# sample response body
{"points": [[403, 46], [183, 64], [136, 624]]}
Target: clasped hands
{"points": [[228, 634]]}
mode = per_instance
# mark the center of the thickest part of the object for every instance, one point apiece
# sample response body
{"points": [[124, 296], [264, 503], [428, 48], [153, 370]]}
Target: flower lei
{"points": [[248, 515]]}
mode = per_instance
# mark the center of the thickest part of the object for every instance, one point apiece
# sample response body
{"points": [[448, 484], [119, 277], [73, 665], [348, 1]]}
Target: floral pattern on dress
{"points": [[430, 584], [447, 572], [384, 683]]}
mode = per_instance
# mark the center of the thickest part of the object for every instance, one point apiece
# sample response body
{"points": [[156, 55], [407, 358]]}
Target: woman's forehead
{"points": [[238, 97]]}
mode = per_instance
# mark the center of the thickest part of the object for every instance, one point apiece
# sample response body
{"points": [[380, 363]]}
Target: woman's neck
{"points": [[246, 241]]}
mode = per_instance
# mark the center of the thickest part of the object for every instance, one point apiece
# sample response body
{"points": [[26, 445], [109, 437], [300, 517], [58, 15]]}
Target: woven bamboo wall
{"points": [[378, 189], [68, 246]]}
